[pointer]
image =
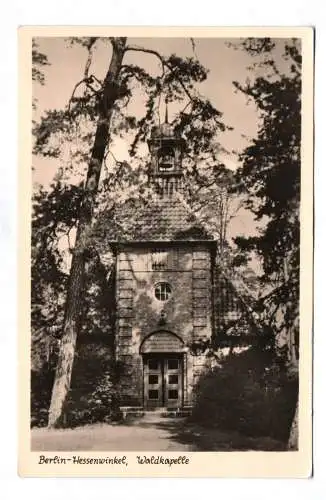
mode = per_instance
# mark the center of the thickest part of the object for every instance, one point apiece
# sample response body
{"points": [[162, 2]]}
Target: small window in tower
{"points": [[163, 291], [159, 260]]}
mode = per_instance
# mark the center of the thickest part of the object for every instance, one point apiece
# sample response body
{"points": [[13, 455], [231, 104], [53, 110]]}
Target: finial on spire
{"points": [[166, 110]]}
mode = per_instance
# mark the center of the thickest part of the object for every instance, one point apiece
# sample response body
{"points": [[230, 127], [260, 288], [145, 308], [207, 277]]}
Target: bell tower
{"points": [[166, 150]]}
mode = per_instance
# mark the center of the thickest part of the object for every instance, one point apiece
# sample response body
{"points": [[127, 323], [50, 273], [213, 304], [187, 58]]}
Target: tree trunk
{"points": [[294, 432], [75, 291]]}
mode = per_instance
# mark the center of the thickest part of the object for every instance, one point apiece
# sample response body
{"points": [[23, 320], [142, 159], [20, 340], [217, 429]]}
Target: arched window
{"points": [[162, 291]]}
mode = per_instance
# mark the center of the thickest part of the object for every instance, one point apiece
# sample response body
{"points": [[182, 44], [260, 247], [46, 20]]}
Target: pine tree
{"points": [[270, 178]]}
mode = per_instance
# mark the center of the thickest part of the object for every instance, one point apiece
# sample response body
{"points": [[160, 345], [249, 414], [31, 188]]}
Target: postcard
{"points": [[165, 251]]}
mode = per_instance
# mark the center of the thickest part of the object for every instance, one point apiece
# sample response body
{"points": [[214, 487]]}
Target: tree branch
{"points": [[193, 46], [90, 49], [73, 94], [68, 236], [163, 62], [109, 152], [117, 162]]}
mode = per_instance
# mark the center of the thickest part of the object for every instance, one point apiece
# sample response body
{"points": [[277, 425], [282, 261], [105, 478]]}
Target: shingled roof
{"points": [[161, 219], [234, 308]]}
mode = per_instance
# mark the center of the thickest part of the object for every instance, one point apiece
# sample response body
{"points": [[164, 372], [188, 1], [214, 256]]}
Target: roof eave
{"points": [[208, 242]]}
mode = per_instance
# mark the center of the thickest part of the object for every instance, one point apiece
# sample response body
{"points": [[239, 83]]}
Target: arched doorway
{"points": [[163, 363]]}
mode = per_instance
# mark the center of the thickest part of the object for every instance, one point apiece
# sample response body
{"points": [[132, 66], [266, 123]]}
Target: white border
{"points": [[217, 464]]}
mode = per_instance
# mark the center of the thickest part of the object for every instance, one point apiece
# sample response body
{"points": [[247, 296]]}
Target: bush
{"points": [[41, 387], [248, 392], [93, 397]]}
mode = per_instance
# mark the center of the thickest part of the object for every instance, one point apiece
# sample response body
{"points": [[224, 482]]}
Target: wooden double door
{"points": [[163, 381]]}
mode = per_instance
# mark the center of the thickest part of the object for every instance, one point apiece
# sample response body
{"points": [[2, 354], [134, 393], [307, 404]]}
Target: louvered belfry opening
{"points": [[166, 173]]}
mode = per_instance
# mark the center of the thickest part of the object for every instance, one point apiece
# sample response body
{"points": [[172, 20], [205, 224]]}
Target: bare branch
{"points": [[73, 93], [236, 210], [90, 49], [193, 46], [109, 152], [164, 63], [68, 236], [134, 48], [87, 81], [184, 109], [117, 162]]}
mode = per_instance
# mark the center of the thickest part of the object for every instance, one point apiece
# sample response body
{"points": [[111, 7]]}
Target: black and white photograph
{"points": [[166, 229]]}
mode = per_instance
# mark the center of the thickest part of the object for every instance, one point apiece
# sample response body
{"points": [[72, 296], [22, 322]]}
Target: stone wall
{"points": [[188, 312]]}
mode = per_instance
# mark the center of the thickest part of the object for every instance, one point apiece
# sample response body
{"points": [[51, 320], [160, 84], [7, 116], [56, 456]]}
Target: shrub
{"points": [[249, 392], [93, 397], [41, 387]]}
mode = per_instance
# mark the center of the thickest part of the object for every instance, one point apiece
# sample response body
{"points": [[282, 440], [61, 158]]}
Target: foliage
{"points": [[248, 392], [38, 61], [53, 219], [54, 215], [93, 396], [211, 197], [99, 301], [177, 82], [270, 176], [41, 388]]}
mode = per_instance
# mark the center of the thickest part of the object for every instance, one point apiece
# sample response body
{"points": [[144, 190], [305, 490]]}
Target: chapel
{"points": [[169, 294]]}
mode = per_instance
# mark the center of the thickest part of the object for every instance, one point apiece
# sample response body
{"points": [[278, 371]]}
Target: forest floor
{"points": [[148, 433]]}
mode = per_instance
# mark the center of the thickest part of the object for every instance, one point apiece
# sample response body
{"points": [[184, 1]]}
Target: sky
{"points": [[225, 64]]}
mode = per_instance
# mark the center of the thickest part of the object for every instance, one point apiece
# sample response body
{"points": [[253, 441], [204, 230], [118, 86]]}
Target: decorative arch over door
{"points": [[162, 341], [163, 360]]}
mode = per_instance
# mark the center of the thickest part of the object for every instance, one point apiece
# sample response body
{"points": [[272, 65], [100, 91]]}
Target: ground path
{"points": [[152, 432]]}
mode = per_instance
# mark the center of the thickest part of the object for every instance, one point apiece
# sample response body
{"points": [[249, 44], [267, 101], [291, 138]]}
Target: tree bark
{"points": [[294, 432], [76, 283]]}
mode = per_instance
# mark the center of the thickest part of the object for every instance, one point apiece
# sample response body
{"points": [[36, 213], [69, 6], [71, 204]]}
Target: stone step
{"points": [[133, 411], [131, 408], [163, 412], [176, 413]]}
